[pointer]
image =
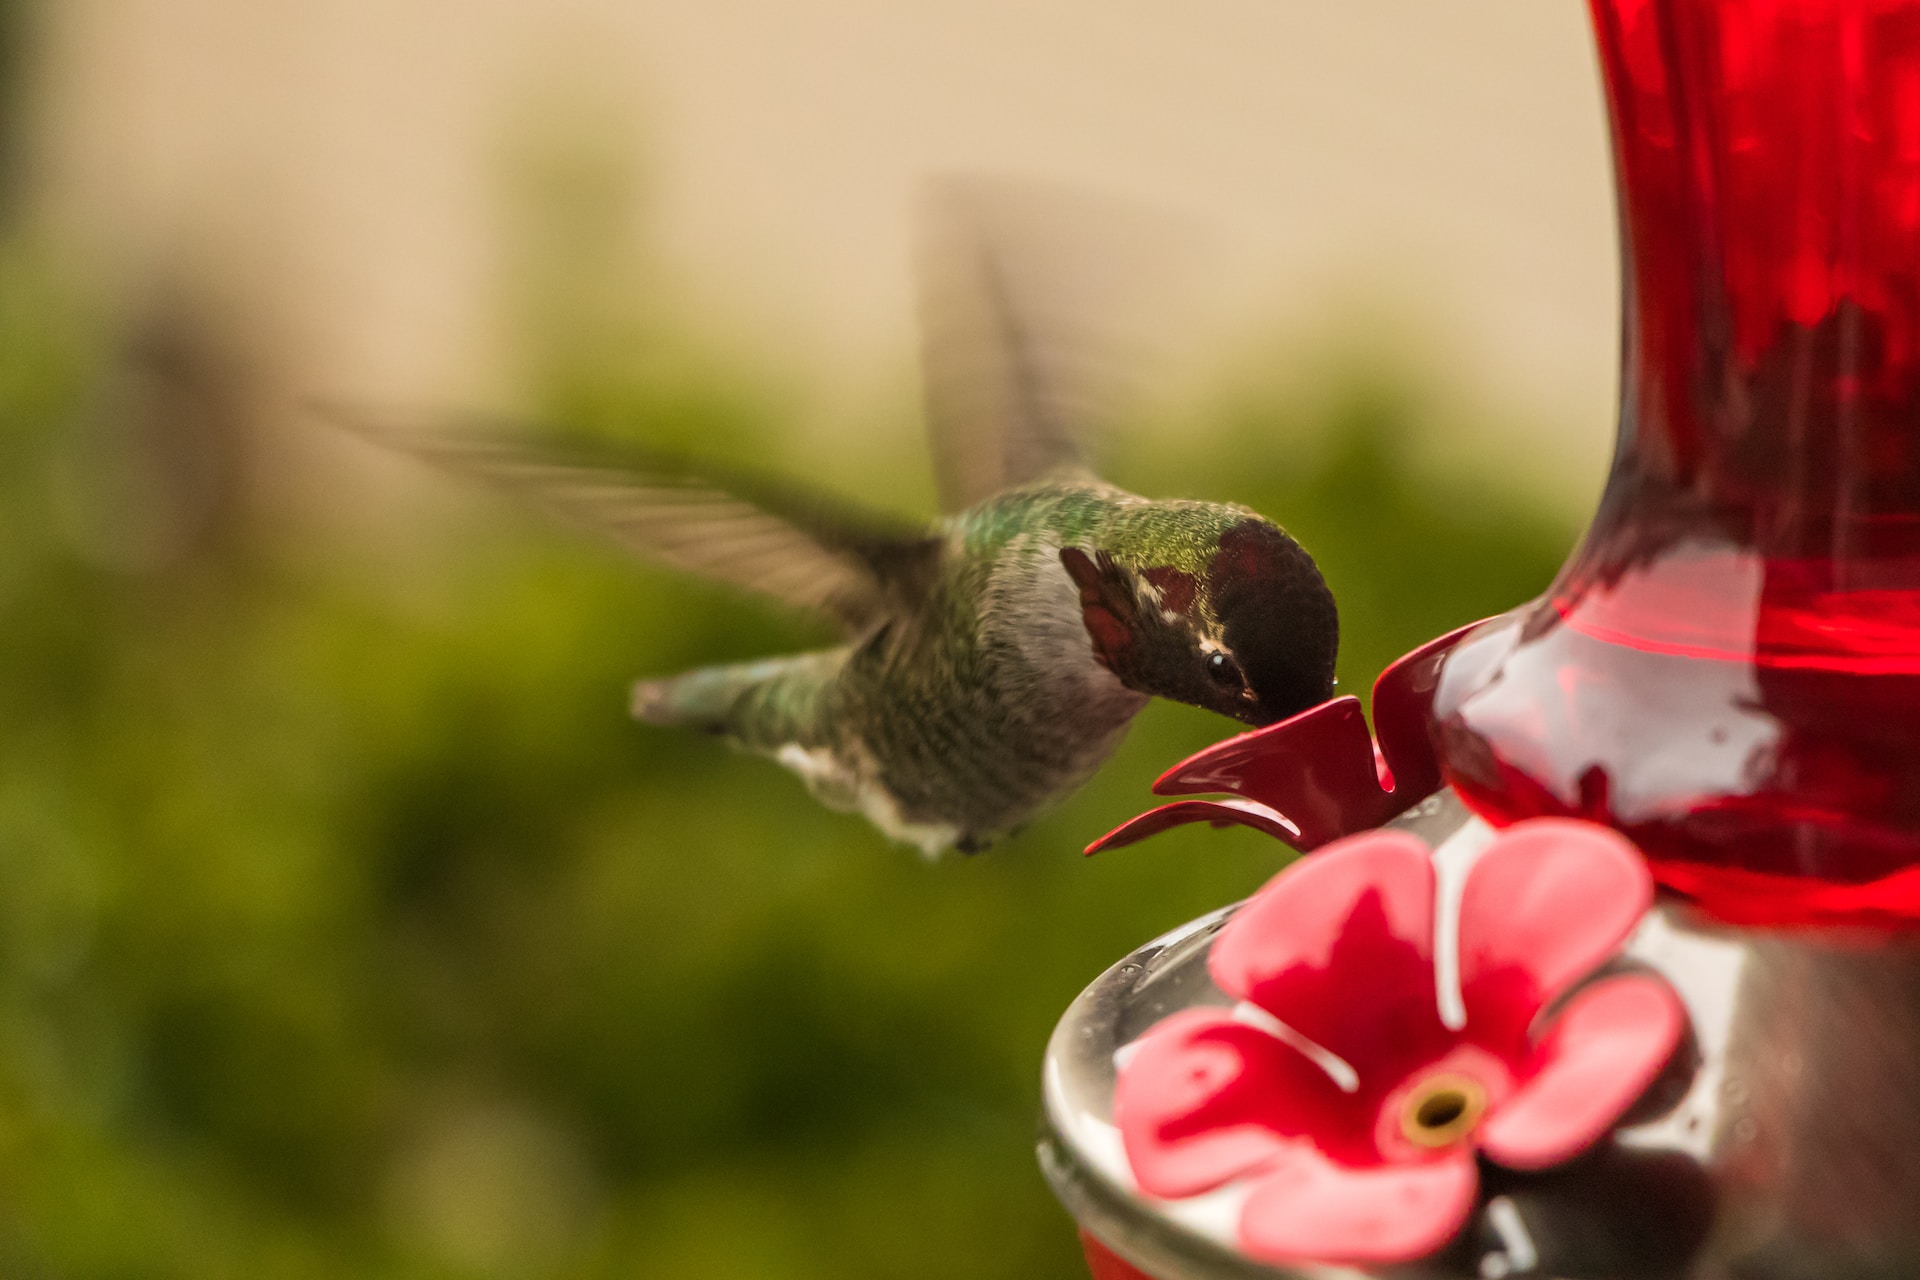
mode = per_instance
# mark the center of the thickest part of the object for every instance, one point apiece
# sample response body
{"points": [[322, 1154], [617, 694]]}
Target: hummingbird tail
{"points": [[654, 703], [762, 705], [703, 699]]}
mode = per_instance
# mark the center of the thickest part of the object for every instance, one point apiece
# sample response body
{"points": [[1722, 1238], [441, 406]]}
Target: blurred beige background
{"points": [[1433, 174], [348, 925]]}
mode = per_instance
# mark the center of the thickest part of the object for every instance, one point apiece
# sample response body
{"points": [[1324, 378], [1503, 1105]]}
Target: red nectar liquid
{"points": [[1728, 668]]}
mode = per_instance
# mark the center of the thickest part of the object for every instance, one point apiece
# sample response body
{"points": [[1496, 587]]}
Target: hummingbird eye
{"points": [[1224, 670]]}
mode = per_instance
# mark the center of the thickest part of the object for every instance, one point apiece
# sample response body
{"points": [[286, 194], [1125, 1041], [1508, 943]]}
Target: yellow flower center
{"points": [[1442, 1110]]}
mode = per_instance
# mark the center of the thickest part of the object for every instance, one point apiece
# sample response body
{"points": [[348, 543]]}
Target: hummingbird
{"points": [[990, 659]]}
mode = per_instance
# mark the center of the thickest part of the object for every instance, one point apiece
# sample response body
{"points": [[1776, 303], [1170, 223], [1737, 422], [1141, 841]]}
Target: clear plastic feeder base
{"points": [[1782, 1143]]}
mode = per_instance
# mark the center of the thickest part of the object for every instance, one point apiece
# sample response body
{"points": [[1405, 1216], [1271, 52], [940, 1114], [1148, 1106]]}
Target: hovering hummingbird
{"points": [[993, 658]]}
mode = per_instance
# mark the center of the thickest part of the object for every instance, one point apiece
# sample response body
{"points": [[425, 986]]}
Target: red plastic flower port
{"points": [[1337, 1088], [1318, 775]]}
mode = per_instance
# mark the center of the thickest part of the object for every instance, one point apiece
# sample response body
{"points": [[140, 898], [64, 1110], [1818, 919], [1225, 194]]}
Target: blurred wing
{"points": [[806, 549], [1023, 354]]}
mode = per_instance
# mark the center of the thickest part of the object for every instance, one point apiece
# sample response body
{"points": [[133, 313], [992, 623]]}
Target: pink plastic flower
{"points": [[1335, 1086]]}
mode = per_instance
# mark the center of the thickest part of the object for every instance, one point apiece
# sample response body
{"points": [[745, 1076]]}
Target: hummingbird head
{"points": [[1253, 635]]}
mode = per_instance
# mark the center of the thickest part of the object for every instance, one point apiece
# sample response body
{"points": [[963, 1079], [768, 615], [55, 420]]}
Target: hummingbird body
{"points": [[951, 724], [994, 658]]}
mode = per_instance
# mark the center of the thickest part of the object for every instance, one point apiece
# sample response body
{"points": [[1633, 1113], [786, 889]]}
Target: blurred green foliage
{"points": [[349, 928]]}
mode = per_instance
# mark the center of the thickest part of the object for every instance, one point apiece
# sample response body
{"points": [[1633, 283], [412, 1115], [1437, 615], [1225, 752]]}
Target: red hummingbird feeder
{"points": [[1726, 673], [1728, 669]]}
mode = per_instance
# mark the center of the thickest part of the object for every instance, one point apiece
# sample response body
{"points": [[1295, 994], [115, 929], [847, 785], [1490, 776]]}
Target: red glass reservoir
{"points": [[1728, 668]]}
